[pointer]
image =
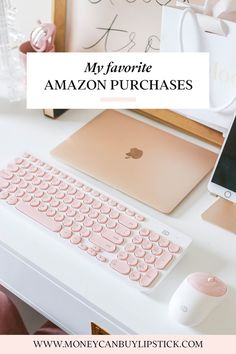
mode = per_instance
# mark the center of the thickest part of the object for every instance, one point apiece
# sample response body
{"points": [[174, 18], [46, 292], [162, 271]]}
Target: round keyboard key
{"points": [[72, 191], [142, 267], [79, 195], [103, 198], [111, 224], [48, 177], [51, 212], [122, 255], [96, 248], [146, 245], [52, 190], [19, 161], [87, 189], [105, 209], [60, 195], [130, 247], [6, 175], [96, 204], [29, 177], [25, 164], [121, 207], [93, 214], [66, 233], [139, 252], [27, 198], [132, 260], [31, 189], [62, 208], [85, 232], [139, 218], [130, 212], [46, 198], [128, 222], [63, 186], [76, 227], [173, 248], [12, 200], [112, 203], [137, 240], [82, 246], [120, 266], [35, 203], [122, 230], [76, 204], [84, 209], [67, 222], [88, 200], [40, 163], [59, 217], [43, 207], [21, 173], [75, 239], [163, 242], [4, 195], [16, 180], [79, 217], [79, 184], [156, 250], [26, 155], [36, 181], [13, 168], [102, 219], [23, 185], [71, 213], [12, 189], [68, 199], [44, 186], [134, 275], [48, 167], [55, 182], [20, 193], [54, 203], [88, 222], [149, 258], [148, 278], [114, 214], [95, 193], [40, 173], [153, 237], [97, 228], [144, 232], [33, 169], [91, 252], [55, 171], [101, 258], [163, 261], [71, 180]]}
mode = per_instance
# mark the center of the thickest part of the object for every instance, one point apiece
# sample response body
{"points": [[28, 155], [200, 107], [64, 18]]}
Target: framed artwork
{"points": [[121, 25]]}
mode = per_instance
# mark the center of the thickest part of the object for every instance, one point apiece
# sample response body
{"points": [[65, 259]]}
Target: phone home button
{"points": [[227, 194]]}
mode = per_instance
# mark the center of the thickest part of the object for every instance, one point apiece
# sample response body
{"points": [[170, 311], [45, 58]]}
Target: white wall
{"points": [[29, 12]]}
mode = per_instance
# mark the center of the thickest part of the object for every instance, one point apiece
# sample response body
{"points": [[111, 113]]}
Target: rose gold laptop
{"points": [[144, 162]]}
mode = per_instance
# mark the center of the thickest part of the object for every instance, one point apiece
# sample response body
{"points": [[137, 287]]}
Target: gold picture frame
{"points": [[164, 116]]}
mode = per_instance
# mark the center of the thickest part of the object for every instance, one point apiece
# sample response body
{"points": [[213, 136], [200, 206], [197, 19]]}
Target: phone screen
{"points": [[225, 173]]}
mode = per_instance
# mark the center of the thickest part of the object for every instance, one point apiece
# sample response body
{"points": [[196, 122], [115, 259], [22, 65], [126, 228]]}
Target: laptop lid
{"points": [[153, 166]]}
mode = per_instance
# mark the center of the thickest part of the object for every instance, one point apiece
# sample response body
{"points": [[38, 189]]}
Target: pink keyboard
{"points": [[94, 223]]}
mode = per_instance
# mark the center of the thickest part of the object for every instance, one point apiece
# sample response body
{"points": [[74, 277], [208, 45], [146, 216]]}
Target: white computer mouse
{"points": [[196, 297]]}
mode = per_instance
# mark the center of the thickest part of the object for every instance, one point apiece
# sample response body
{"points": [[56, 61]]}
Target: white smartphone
{"points": [[223, 179]]}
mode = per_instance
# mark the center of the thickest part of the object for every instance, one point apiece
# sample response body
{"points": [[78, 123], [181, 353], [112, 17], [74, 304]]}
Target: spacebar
{"points": [[38, 216]]}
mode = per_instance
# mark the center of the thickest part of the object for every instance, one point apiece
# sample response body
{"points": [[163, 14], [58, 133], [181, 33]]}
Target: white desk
{"points": [[71, 290]]}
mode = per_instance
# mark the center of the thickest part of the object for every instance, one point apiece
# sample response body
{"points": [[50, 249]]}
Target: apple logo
{"points": [[134, 154]]}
